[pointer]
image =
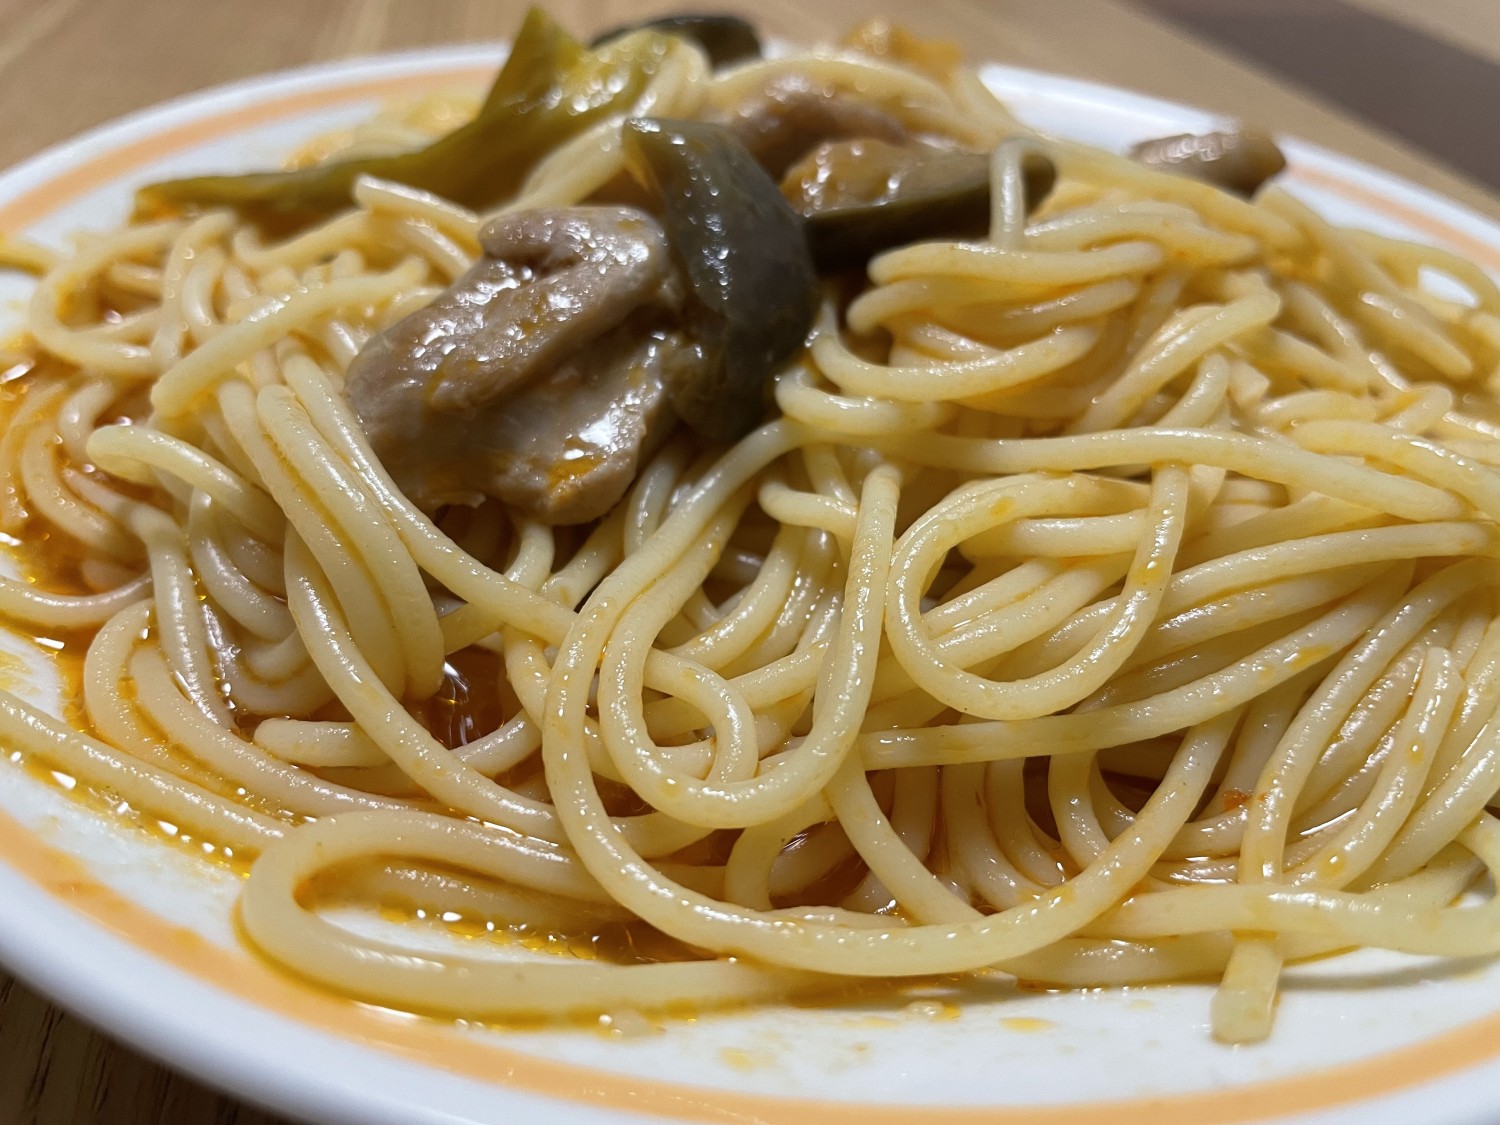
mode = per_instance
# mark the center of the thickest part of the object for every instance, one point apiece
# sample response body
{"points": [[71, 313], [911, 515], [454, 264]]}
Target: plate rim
{"points": [[208, 1051]]}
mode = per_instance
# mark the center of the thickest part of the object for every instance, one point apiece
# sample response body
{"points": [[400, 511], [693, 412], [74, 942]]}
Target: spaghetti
{"points": [[1110, 599]]}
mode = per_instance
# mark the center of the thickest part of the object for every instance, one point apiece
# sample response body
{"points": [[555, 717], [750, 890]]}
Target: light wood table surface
{"points": [[66, 65]]}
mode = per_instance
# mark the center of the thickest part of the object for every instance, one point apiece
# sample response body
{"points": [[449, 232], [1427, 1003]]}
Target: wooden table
{"points": [[1381, 65]]}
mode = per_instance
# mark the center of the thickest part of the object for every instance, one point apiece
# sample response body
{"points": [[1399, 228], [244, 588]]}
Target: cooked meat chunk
{"points": [[568, 276], [538, 378], [1237, 160], [861, 197], [568, 446], [791, 116]]}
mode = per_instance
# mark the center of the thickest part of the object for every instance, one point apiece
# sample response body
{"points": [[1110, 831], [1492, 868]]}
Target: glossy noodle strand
{"points": [[1110, 599]]}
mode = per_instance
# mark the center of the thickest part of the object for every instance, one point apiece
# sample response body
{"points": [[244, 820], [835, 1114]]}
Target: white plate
{"points": [[136, 935]]}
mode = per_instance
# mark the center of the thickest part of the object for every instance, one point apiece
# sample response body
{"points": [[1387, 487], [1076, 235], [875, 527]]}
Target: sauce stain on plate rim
{"points": [[45, 184]]}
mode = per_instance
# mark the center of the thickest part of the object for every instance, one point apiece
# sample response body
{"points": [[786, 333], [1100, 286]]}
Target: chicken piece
{"points": [[567, 448], [861, 197], [539, 377]]}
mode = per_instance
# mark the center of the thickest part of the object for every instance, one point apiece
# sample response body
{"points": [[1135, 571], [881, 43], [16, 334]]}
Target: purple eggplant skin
{"points": [[754, 290]]}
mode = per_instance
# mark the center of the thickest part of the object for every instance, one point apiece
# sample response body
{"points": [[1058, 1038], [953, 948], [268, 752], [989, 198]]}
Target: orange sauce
{"points": [[1233, 799], [614, 943], [66, 654], [467, 705]]}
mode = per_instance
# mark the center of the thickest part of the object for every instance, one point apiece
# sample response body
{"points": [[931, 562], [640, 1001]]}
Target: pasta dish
{"points": [[773, 520]]}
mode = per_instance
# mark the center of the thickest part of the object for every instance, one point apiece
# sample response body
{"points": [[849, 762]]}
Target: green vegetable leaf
{"points": [[551, 89]]}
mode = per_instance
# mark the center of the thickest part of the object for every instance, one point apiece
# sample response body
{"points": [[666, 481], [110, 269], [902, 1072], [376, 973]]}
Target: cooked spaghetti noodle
{"points": [[1109, 600]]}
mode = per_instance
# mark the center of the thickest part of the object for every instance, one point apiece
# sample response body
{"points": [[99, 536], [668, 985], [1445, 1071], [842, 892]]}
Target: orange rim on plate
{"points": [[432, 1043]]}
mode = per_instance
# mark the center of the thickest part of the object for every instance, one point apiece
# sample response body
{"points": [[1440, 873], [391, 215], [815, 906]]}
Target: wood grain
{"points": [[66, 65], [1473, 25]]}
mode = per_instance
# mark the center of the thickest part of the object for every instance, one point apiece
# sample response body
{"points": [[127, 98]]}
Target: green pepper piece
{"points": [[726, 39], [550, 89], [740, 244], [862, 197]]}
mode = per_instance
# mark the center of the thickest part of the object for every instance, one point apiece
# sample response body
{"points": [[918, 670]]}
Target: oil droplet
{"points": [[1233, 799], [738, 1059], [1028, 1024], [627, 1023], [874, 1021], [932, 1010]]}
